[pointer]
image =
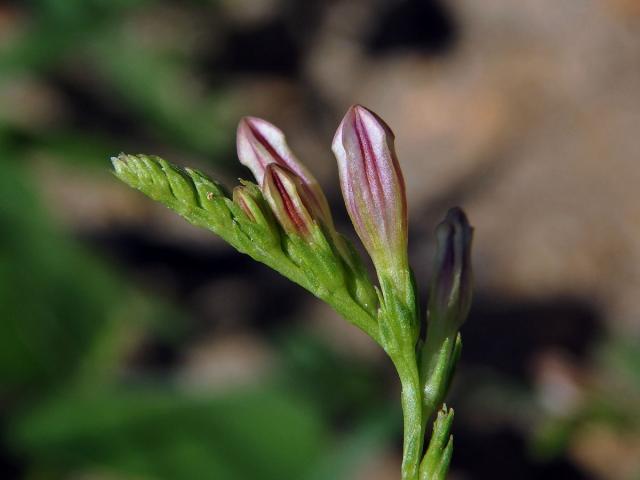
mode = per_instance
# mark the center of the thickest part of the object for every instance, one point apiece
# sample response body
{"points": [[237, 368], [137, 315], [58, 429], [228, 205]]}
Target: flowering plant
{"points": [[284, 221]]}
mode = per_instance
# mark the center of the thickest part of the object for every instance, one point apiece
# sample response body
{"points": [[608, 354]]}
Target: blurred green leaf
{"points": [[351, 452], [53, 300], [317, 371], [58, 27], [64, 316], [155, 88], [160, 89], [261, 435], [620, 356]]}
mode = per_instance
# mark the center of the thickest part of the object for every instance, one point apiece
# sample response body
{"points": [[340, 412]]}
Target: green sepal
{"points": [[437, 459], [453, 363], [438, 360], [398, 315], [261, 211], [328, 277], [316, 257], [261, 234], [188, 192], [209, 192], [358, 281]]}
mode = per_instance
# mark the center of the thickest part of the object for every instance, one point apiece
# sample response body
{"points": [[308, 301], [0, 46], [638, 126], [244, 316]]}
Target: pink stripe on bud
{"points": [[242, 196], [373, 186], [289, 200], [260, 144]]}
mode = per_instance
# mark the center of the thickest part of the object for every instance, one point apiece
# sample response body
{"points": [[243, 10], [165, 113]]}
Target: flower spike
{"points": [[260, 143], [373, 186], [284, 222]]}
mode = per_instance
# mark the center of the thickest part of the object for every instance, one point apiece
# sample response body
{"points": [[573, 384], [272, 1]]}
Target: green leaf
{"points": [[65, 315], [261, 434], [351, 453]]}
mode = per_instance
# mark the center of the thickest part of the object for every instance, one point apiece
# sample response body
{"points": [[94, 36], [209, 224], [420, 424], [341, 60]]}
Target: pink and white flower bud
{"points": [[260, 144], [373, 186], [289, 200]]}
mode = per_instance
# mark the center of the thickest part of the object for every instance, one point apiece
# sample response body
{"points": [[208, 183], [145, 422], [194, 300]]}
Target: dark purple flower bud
{"points": [[452, 282]]}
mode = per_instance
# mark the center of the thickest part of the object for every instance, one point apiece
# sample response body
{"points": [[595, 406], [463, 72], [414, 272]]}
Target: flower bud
{"points": [[260, 143], [373, 186], [289, 201], [451, 285], [249, 199], [245, 202]]}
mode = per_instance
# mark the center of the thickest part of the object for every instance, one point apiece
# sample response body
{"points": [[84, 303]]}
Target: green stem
{"points": [[413, 436]]}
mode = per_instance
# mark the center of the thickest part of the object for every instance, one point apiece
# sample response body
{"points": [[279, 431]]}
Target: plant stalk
{"points": [[414, 426]]}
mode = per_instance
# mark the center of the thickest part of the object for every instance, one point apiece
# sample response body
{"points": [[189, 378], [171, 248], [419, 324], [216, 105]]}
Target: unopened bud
{"points": [[249, 198], [452, 282], [261, 144], [289, 201], [373, 186]]}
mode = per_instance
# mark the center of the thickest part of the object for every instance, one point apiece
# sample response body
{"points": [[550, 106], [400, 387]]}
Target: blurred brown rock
{"points": [[226, 362], [609, 453], [531, 123]]}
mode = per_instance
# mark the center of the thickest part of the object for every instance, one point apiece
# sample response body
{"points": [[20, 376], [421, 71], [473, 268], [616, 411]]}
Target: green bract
{"points": [[284, 221]]}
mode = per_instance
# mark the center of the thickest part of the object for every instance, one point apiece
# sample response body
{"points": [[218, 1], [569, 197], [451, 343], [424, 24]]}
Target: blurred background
{"points": [[134, 346]]}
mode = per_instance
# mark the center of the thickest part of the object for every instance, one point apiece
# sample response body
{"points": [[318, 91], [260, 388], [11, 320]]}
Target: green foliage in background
{"points": [[98, 47], [163, 434], [608, 399], [67, 325], [57, 302], [68, 322]]}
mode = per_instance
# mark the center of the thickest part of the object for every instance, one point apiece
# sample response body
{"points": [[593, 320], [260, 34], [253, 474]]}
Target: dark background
{"points": [[134, 346]]}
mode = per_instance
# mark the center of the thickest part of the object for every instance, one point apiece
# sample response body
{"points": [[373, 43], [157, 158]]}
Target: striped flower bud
{"points": [[249, 198], [260, 144], [451, 285], [246, 202], [373, 186], [289, 200]]}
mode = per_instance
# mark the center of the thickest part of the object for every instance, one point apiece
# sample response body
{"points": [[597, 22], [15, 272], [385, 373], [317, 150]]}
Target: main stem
{"points": [[414, 426]]}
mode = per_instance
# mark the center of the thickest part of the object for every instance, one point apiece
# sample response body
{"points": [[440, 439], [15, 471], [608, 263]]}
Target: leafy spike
{"points": [[204, 203]]}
